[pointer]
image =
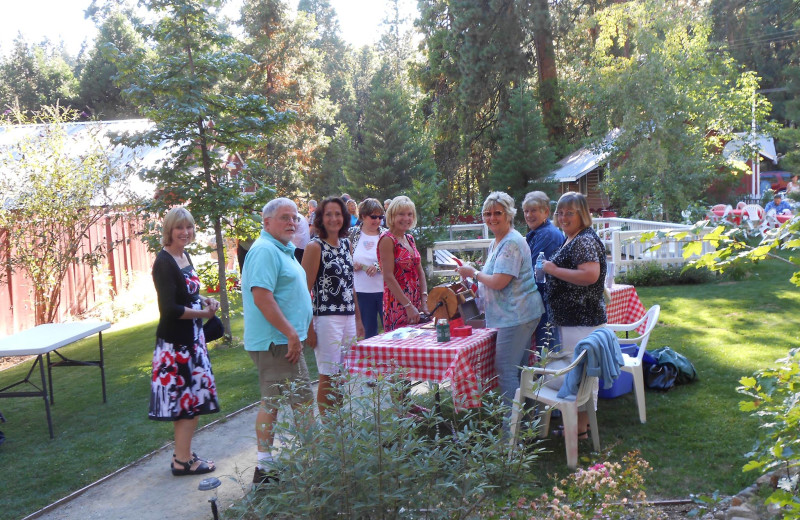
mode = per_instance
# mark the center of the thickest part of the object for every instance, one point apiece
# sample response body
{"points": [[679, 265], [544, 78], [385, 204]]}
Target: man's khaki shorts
{"points": [[277, 376]]}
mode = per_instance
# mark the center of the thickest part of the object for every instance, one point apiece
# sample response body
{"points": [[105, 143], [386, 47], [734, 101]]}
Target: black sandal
{"points": [[194, 456], [187, 467]]}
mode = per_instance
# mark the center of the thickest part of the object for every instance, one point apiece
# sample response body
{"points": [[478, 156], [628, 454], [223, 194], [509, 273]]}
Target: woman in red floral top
{"points": [[405, 292]]}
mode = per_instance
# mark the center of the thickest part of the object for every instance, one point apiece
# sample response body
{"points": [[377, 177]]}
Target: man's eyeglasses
{"points": [[490, 214], [568, 214], [374, 217], [289, 218]]}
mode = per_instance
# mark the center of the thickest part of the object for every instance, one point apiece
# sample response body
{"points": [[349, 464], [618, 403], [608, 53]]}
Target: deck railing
{"points": [[622, 237]]}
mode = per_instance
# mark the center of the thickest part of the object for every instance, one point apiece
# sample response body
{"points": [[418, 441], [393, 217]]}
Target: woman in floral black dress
{"points": [[182, 383]]}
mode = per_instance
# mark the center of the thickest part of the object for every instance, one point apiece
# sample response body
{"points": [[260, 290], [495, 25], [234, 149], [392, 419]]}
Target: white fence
{"points": [[622, 237], [623, 241]]}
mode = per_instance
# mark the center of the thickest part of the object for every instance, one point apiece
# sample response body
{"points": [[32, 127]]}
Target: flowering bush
{"points": [[606, 490]]}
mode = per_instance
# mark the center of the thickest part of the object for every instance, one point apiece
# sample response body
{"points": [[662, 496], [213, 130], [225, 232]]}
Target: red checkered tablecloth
{"points": [[467, 362], [625, 306]]}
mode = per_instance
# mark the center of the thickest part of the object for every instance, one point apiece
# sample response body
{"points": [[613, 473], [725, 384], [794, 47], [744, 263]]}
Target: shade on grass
{"points": [[695, 436]]}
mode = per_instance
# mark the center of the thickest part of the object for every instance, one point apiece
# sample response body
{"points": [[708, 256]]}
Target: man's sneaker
{"points": [[264, 477]]}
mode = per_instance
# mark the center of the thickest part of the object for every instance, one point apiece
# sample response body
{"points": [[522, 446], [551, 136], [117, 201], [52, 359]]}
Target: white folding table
{"points": [[41, 341]]}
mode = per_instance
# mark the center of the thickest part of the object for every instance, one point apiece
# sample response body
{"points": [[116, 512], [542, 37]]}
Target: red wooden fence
{"points": [[81, 290]]}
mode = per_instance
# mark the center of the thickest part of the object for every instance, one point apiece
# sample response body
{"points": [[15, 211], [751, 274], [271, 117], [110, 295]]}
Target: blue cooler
{"points": [[624, 383]]}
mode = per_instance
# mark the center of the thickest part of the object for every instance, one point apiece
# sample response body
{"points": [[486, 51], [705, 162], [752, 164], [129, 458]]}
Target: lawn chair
{"points": [[633, 365], [530, 389], [753, 214], [714, 218]]}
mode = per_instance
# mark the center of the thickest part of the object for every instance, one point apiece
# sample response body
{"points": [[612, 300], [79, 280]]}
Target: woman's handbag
{"points": [[213, 329]]}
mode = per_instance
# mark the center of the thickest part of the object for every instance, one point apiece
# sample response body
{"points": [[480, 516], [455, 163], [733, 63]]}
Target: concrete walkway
{"points": [[147, 490]]}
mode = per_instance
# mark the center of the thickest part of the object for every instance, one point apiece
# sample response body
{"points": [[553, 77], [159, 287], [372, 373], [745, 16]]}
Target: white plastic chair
{"points": [[633, 365], [533, 389], [754, 215], [714, 218]]}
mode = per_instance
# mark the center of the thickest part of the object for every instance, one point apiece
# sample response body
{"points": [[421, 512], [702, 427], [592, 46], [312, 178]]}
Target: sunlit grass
{"points": [[695, 436]]}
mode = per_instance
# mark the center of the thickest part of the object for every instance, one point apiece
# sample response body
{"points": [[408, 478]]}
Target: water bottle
{"points": [[538, 271]]}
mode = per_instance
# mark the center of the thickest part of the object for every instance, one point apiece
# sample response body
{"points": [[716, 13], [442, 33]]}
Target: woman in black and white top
{"points": [[182, 384], [328, 264]]}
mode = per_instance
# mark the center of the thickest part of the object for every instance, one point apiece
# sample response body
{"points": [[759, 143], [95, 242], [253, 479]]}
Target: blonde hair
{"points": [[175, 217], [501, 199], [397, 205]]}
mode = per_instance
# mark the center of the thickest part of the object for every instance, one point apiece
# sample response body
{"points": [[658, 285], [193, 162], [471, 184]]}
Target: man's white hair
{"points": [[274, 205]]}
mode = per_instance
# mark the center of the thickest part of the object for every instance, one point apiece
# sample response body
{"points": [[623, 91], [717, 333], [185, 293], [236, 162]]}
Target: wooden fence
{"points": [[83, 286]]}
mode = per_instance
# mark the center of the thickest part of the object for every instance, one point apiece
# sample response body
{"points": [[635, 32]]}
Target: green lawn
{"points": [[695, 436]]}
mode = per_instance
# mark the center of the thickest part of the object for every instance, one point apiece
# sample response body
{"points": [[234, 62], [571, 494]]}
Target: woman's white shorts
{"points": [[335, 335]]}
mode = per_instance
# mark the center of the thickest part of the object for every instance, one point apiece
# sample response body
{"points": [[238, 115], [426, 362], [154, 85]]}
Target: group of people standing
{"points": [[359, 277]]}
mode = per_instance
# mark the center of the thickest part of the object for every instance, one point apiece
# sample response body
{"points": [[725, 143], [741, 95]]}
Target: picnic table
{"points": [[734, 215], [625, 306], [466, 362], [42, 341]]}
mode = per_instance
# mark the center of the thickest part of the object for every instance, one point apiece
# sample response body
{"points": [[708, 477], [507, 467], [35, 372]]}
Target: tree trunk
{"points": [[552, 113]]}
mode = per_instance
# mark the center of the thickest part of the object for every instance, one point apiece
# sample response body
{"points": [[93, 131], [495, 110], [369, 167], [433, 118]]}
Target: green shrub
{"points": [[652, 274], [775, 401], [371, 459]]}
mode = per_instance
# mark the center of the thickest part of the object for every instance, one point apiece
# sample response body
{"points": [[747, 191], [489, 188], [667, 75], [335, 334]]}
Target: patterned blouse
{"points": [[518, 302], [333, 294], [577, 305]]}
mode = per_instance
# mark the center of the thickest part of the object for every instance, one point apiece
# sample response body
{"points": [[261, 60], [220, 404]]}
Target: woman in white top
{"points": [[368, 278]]}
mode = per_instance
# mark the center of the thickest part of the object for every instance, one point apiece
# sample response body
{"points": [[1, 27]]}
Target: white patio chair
{"points": [[533, 389], [753, 214], [714, 218], [633, 365]]}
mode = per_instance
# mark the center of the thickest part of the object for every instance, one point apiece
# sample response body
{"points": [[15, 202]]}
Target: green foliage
{"points": [[653, 72], [97, 89], [652, 274], [524, 154], [288, 75], [773, 398], [192, 94], [55, 190], [35, 76], [370, 459], [394, 152]]}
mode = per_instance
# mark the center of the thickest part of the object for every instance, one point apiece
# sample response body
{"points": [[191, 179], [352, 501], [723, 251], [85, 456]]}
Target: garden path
{"points": [[146, 490]]}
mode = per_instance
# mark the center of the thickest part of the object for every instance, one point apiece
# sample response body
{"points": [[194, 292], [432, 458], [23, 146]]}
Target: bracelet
{"points": [[407, 305]]}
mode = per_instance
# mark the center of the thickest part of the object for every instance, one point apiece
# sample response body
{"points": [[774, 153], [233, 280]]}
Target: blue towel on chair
{"points": [[603, 359]]}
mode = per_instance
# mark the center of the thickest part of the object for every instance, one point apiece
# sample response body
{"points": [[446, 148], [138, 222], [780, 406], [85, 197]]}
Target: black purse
{"points": [[213, 329]]}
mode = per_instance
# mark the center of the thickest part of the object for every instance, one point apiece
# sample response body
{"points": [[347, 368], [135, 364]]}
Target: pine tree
{"points": [[190, 94], [524, 155], [393, 152]]}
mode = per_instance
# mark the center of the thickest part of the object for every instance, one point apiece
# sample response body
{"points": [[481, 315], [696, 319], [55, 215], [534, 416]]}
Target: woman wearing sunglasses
{"points": [[575, 282], [513, 304], [368, 278]]}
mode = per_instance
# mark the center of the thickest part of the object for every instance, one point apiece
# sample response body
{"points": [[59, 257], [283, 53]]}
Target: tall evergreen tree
{"points": [[524, 156], [393, 152], [190, 92], [34, 76], [98, 93], [288, 74]]}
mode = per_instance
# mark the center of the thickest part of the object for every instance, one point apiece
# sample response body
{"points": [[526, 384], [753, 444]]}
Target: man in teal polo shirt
{"points": [[277, 314]]}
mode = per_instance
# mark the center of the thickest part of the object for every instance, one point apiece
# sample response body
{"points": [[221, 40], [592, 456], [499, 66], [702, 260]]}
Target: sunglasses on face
{"points": [[490, 214], [374, 217]]}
